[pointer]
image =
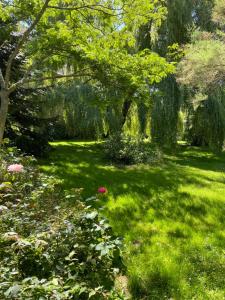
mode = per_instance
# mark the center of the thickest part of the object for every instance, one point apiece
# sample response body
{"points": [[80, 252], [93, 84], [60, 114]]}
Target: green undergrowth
{"points": [[48, 248], [171, 216]]}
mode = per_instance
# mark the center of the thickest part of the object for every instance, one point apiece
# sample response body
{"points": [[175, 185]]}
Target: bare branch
{"points": [[22, 40]]}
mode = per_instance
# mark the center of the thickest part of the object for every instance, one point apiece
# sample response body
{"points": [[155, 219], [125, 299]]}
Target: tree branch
{"points": [[56, 76], [88, 22], [96, 7], [14, 86], [23, 39], [2, 81]]}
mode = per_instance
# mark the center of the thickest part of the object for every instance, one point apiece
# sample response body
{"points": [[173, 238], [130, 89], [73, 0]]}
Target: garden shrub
{"points": [[33, 143], [127, 150], [48, 251]]}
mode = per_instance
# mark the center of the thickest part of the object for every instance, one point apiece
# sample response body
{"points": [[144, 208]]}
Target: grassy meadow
{"points": [[171, 216]]}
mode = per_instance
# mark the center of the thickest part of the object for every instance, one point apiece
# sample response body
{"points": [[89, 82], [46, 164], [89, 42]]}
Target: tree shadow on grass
{"points": [[82, 165], [199, 158], [170, 202], [85, 166]]}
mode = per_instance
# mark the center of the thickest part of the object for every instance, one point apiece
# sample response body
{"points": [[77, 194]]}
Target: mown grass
{"points": [[171, 216]]}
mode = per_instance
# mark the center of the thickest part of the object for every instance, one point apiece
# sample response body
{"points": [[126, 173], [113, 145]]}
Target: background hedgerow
{"points": [[48, 251]]}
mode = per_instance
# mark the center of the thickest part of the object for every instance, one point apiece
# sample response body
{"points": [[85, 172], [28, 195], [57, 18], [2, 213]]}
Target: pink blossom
{"points": [[102, 190], [16, 168]]}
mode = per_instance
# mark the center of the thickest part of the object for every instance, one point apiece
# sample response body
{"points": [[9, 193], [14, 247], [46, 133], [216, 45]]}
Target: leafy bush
{"points": [[33, 143], [48, 251], [128, 150]]}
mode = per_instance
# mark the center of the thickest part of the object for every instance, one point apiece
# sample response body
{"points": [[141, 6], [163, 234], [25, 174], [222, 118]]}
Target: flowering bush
{"points": [[17, 168], [128, 150], [48, 251]]}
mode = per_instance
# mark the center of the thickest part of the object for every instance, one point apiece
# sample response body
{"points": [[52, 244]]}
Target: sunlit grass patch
{"points": [[171, 217]]}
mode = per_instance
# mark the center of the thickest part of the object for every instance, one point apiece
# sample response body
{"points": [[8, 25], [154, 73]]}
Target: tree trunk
{"points": [[125, 110], [3, 113]]}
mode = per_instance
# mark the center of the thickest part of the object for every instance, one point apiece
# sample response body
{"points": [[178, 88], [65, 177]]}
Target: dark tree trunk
{"points": [[125, 111], [3, 113]]}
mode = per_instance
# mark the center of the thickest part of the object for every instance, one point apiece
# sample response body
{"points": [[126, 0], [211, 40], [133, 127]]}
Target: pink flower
{"points": [[16, 168], [102, 190]]}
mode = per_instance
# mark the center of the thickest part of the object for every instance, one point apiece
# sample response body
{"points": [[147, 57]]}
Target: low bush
{"points": [[127, 150], [33, 144], [48, 251]]}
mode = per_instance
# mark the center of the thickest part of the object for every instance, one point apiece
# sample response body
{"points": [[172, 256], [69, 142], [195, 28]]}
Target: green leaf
{"points": [[13, 291], [91, 215]]}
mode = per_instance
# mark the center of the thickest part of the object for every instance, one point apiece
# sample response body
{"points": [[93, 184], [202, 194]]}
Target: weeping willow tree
{"points": [[164, 117], [77, 110], [83, 110], [166, 96], [84, 35], [208, 122], [143, 112], [203, 69], [86, 111], [182, 17]]}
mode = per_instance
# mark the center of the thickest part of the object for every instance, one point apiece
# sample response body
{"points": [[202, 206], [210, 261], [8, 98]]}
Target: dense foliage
{"points": [[86, 40], [138, 75], [125, 64], [128, 150], [86, 111], [47, 251], [25, 127], [202, 70]]}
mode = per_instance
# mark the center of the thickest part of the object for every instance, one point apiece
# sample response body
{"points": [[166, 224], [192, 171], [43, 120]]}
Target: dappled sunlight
{"points": [[164, 212], [121, 103]]}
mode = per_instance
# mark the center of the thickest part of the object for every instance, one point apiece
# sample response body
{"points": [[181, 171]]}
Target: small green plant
{"points": [[128, 150]]}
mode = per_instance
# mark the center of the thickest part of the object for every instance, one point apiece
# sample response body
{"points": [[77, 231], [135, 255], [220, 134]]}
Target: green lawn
{"points": [[171, 217]]}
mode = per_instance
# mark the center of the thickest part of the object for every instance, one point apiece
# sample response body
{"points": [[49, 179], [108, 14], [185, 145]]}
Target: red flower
{"points": [[102, 190]]}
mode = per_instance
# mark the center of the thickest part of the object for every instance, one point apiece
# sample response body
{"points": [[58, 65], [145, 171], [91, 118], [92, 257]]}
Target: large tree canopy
{"points": [[79, 37]]}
